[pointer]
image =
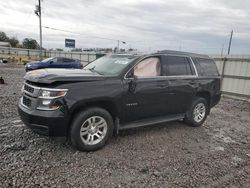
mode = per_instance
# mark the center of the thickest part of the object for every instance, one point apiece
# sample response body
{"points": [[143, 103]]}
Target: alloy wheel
{"points": [[199, 112], [93, 130]]}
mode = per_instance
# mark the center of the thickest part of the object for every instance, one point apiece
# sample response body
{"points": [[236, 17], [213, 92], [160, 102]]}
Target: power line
{"points": [[67, 31], [103, 38], [117, 40]]}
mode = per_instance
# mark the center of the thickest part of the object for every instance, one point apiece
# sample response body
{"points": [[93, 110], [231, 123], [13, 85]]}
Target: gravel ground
{"points": [[167, 155]]}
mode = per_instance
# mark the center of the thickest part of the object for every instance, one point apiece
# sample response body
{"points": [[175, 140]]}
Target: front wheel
{"points": [[91, 129], [197, 113]]}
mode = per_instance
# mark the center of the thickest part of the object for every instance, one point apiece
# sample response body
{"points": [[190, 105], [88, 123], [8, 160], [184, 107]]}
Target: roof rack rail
{"points": [[173, 52]]}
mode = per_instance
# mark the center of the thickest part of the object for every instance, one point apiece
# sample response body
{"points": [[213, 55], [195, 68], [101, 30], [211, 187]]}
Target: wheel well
{"points": [[107, 105], [205, 95]]}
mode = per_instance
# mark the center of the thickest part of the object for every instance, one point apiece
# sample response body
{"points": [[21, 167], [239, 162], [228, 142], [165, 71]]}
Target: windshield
{"points": [[48, 59], [110, 65]]}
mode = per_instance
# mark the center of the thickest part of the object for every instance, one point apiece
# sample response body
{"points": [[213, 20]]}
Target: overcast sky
{"points": [[148, 25]]}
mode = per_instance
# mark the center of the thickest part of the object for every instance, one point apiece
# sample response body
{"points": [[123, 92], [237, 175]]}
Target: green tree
{"points": [[59, 49], [14, 42], [3, 37], [30, 43]]}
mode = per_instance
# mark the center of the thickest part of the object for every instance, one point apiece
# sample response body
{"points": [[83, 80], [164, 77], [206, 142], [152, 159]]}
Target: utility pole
{"points": [[180, 47], [38, 12], [230, 42], [222, 50], [118, 46], [118, 43]]}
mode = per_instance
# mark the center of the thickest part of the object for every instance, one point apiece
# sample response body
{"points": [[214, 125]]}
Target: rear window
{"points": [[206, 67], [67, 60], [178, 66]]}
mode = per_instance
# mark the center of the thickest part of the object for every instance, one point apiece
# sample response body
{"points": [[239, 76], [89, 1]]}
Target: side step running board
{"points": [[151, 121]]}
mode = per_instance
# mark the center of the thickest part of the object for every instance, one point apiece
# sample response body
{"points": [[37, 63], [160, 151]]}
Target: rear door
{"points": [[208, 71], [182, 82], [68, 63], [61, 62]]}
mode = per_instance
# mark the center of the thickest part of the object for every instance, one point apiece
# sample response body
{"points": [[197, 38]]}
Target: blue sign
{"points": [[70, 43]]}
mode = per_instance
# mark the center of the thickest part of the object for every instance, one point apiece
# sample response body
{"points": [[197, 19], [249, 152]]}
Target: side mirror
{"points": [[51, 62], [132, 86], [131, 75]]}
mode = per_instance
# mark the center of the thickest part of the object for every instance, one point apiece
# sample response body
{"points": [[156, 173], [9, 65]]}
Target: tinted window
{"points": [[67, 60], [48, 59], [206, 67], [178, 66], [57, 60]]}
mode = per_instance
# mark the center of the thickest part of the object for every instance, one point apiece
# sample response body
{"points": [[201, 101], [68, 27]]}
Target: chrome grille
{"points": [[30, 94], [26, 101], [28, 88], [31, 90]]}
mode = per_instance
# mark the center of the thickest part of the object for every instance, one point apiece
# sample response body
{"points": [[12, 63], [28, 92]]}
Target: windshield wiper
{"points": [[93, 70]]}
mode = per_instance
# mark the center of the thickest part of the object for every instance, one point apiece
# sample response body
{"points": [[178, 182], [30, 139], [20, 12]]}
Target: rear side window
{"points": [[178, 66], [66, 60], [57, 60], [206, 67]]}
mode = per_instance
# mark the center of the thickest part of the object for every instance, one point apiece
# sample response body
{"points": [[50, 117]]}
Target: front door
{"points": [[56, 63], [145, 91]]}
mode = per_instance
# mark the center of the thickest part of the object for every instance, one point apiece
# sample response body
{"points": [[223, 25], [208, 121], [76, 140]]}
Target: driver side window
{"points": [[54, 60], [58, 60], [149, 67]]}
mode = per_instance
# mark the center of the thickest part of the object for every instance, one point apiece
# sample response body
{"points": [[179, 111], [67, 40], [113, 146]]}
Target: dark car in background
{"points": [[54, 62]]}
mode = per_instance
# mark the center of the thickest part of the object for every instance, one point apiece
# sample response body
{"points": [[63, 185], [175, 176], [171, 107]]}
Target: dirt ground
{"points": [[166, 155]]}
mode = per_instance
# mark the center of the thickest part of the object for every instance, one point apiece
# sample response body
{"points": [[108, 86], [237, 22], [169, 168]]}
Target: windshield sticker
{"points": [[122, 62]]}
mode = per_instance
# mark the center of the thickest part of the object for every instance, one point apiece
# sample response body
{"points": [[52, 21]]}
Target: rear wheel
{"points": [[91, 129], [197, 113]]}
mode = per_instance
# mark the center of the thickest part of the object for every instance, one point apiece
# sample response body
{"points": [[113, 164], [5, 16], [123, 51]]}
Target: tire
{"points": [[91, 129], [197, 113]]}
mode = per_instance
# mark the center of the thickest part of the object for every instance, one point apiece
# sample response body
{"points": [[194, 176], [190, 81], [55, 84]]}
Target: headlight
{"points": [[52, 93], [47, 98]]}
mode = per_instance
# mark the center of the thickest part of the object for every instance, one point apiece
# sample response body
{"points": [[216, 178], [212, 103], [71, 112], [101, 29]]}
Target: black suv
{"points": [[119, 92]]}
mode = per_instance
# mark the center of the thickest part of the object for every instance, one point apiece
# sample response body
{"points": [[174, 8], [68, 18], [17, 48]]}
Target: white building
{"points": [[5, 44]]}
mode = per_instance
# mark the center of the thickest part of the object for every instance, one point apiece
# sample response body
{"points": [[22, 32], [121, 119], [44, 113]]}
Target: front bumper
{"points": [[27, 69], [50, 123]]}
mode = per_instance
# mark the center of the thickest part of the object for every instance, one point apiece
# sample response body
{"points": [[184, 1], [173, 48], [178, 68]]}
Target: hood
{"points": [[33, 63], [49, 76]]}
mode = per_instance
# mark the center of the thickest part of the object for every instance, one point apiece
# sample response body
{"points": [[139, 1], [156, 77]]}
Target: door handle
{"points": [[163, 85], [132, 86], [193, 83]]}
